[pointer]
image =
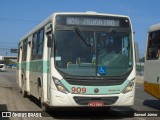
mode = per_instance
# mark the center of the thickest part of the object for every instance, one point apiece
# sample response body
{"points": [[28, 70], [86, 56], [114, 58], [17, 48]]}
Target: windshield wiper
{"points": [[82, 37]]}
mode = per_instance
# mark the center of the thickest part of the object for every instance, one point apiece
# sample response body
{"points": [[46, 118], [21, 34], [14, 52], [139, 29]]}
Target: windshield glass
{"points": [[93, 53]]}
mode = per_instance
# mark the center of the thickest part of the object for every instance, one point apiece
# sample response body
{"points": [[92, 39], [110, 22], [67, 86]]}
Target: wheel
{"points": [[24, 93], [43, 106]]}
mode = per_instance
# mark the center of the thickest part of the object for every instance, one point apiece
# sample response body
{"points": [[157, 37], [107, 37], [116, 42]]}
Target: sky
{"points": [[18, 17]]}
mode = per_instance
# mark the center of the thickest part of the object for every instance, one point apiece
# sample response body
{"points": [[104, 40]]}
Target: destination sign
{"points": [[91, 21], [95, 21]]}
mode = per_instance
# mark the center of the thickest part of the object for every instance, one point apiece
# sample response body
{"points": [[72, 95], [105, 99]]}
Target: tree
{"points": [[8, 61]]}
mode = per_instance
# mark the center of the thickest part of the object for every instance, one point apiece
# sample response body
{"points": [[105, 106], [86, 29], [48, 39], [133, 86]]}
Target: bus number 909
{"points": [[78, 90]]}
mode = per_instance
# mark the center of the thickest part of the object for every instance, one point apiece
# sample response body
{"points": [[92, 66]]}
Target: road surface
{"points": [[12, 100]]}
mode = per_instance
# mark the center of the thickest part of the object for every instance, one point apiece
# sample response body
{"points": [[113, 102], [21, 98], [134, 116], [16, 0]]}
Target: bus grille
{"points": [[86, 100], [95, 82]]}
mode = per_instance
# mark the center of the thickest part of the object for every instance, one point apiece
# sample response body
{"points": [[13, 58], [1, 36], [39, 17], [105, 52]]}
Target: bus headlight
{"points": [[59, 85], [129, 86]]}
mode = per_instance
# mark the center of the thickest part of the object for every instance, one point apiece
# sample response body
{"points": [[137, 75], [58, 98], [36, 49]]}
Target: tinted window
{"points": [[37, 45], [40, 43], [153, 51], [34, 46], [24, 52]]}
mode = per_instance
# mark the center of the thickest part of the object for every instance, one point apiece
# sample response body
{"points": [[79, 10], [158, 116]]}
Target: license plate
{"points": [[95, 104]]}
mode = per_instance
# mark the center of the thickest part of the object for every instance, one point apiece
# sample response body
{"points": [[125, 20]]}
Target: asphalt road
{"points": [[12, 100]]}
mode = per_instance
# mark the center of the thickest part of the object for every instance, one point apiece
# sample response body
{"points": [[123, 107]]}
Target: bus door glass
{"points": [[49, 45]]}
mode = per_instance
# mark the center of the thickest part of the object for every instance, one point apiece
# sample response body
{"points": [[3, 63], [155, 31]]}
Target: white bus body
{"points": [[152, 62], [79, 59], [2, 65]]}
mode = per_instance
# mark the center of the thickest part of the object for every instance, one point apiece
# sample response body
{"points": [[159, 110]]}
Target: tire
{"points": [[43, 106], [24, 93]]}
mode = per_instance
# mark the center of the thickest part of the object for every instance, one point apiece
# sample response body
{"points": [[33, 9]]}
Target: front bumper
{"points": [[59, 99]]}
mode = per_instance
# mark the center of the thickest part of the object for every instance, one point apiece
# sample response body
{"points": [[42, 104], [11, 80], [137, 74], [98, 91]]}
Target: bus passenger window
{"points": [[158, 53], [153, 52], [150, 39]]}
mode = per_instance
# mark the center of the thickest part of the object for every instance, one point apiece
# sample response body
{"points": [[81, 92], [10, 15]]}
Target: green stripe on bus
{"points": [[34, 66], [103, 90]]}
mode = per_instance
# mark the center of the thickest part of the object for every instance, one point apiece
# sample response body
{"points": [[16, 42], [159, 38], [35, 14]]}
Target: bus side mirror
{"points": [[49, 41]]}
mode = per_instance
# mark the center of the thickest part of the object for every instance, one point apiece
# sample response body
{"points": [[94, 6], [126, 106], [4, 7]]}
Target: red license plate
{"points": [[95, 104]]}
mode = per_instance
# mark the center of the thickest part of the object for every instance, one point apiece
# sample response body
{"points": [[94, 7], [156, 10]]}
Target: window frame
{"points": [[37, 46], [153, 45], [24, 49]]}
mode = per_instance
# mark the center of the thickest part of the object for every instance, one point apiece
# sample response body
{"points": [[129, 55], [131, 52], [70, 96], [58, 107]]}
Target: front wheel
{"points": [[24, 93], [43, 106]]}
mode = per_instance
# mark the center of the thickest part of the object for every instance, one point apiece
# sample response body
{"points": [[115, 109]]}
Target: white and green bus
{"points": [[79, 60]]}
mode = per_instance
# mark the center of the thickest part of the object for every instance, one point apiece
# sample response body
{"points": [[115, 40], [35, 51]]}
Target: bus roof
{"points": [[154, 27], [88, 13], [50, 18]]}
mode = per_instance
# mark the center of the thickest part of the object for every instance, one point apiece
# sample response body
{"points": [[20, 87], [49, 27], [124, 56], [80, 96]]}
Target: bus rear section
{"points": [[152, 62]]}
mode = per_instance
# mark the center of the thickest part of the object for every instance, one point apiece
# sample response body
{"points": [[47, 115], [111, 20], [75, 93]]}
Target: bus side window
{"points": [[153, 47], [158, 53], [34, 45], [40, 42], [24, 51], [150, 39], [152, 53]]}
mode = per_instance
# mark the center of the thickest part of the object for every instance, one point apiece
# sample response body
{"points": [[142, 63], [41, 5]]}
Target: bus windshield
{"points": [[107, 54]]}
